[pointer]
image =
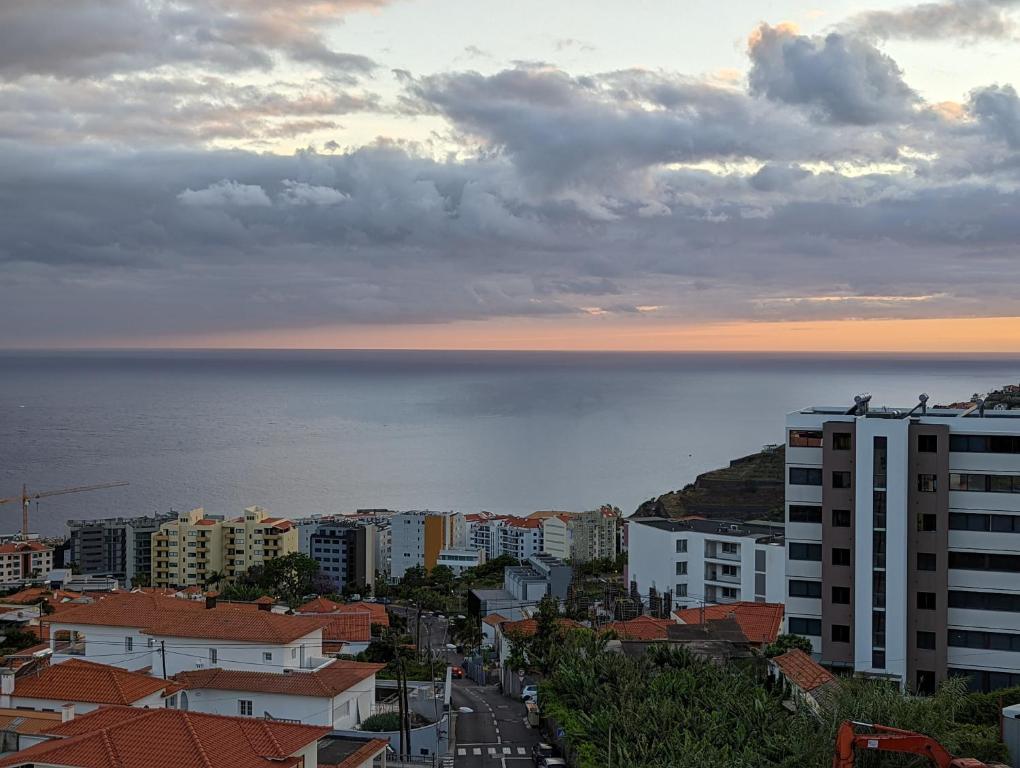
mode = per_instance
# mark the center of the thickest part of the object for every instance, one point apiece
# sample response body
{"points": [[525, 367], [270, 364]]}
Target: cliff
{"points": [[750, 488]]}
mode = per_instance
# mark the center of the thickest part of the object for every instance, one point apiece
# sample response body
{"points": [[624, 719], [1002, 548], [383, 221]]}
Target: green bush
{"points": [[384, 721]]}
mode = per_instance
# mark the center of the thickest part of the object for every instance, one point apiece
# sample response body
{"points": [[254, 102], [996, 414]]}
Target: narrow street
{"points": [[495, 733]]}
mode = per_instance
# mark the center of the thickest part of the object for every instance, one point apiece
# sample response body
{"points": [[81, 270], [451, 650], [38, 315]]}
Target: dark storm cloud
{"points": [[961, 20], [997, 108], [844, 79]]}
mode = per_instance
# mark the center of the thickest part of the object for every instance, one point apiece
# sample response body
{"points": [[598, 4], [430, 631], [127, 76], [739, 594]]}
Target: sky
{"points": [[643, 175]]}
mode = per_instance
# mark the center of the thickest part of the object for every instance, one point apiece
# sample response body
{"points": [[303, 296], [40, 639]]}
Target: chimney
{"points": [[66, 712]]}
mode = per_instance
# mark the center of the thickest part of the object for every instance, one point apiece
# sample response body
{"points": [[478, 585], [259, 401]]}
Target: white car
{"points": [[529, 693]]}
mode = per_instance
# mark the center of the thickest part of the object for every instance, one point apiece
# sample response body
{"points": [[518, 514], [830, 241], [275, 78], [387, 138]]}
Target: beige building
{"points": [[581, 536], [23, 560], [193, 547]]}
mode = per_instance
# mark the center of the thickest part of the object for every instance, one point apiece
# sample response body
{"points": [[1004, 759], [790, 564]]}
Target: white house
{"points": [[340, 695], [83, 686]]}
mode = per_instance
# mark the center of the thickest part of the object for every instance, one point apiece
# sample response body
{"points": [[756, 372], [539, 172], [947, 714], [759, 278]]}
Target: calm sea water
{"points": [[307, 432]]}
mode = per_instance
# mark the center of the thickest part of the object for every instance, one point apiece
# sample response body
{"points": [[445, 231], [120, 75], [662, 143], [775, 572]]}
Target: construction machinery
{"points": [[883, 738], [26, 499]]}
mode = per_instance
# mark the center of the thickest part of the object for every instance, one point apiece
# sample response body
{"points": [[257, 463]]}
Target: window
{"points": [[841, 441], [800, 588], [840, 556], [878, 509], [926, 601], [927, 443], [805, 438], [984, 601], [841, 518], [681, 545], [993, 641], [129, 643], [267, 656], [984, 483], [730, 548], [983, 561], [926, 522], [878, 659], [840, 479], [841, 595], [805, 476], [984, 443], [925, 561], [681, 590], [984, 681], [801, 551], [840, 633], [244, 707], [681, 568], [729, 593], [926, 640], [926, 483], [805, 513], [212, 656], [802, 626]]}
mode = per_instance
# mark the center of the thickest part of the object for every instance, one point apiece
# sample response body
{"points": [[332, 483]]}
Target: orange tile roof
{"points": [[24, 721], [528, 627], [345, 628], [265, 600], [76, 680], [801, 670], [326, 682], [278, 522], [206, 521], [493, 619], [524, 522], [126, 737], [641, 628], [361, 756], [229, 623], [34, 594], [127, 609], [14, 547], [319, 605], [376, 611], [760, 622]]}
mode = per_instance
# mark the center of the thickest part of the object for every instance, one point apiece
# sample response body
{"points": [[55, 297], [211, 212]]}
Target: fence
{"points": [[483, 674]]}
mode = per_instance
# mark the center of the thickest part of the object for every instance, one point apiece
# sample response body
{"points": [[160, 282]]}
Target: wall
{"points": [[152, 701], [356, 704], [188, 653], [427, 740], [105, 645]]}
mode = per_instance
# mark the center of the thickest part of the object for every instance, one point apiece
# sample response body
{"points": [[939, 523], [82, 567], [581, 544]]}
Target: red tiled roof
{"points": [[345, 628], [127, 609], [801, 670], [14, 547], [528, 627], [642, 628], [524, 522], [125, 737], [376, 611], [319, 605], [265, 600], [33, 594], [493, 619], [326, 682], [206, 521], [76, 680], [23, 721], [760, 622], [229, 623], [278, 522], [361, 756]]}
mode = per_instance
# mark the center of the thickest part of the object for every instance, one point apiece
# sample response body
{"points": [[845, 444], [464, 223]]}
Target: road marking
{"points": [[476, 751], [492, 750], [521, 751], [462, 752]]}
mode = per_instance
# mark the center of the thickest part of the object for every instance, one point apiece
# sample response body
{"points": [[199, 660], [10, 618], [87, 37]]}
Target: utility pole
{"points": [[610, 745], [162, 652]]}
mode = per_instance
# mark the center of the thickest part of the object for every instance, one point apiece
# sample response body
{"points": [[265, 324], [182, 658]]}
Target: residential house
{"points": [[350, 629], [520, 537], [809, 682], [339, 695], [761, 623], [345, 752], [127, 737]]}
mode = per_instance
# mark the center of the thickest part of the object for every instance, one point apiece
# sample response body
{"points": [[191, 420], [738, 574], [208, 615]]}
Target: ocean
{"points": [[316, 432]]}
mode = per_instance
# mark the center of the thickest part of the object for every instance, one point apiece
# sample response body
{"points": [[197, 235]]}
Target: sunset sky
{"points": [[548, 174]]}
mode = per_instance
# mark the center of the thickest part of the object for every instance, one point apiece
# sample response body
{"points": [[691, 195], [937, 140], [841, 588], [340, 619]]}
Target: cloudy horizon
{"points": [[360, 173]]}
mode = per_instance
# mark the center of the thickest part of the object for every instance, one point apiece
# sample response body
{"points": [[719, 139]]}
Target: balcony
{"points": [[717, 575], [714, 551]]}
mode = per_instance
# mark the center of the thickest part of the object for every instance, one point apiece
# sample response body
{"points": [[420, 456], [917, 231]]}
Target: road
{"points": [[495, 734]]}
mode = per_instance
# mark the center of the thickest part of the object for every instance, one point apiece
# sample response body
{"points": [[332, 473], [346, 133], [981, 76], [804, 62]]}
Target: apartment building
{"points": [[120, 547], [520, 537], [903, 541], [706, 561], [418, 537], [22, 561], [345, 552], [193, 547], [581, 536]]}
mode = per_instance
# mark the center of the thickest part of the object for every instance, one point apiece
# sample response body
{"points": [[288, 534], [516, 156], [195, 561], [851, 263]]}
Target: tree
{"points": [[786, 643], [290, 576], [547, 634]]}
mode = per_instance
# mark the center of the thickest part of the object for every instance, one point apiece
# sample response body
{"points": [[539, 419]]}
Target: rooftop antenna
{"points": [[860, 406]]}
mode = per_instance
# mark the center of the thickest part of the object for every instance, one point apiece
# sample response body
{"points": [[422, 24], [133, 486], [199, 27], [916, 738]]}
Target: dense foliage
{"points": [[384, 721], [292, 578], [668, 708], [786, 643]]}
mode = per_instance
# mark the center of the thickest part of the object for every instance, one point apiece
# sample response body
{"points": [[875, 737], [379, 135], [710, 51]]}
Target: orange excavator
{"points": [[882, 738]]}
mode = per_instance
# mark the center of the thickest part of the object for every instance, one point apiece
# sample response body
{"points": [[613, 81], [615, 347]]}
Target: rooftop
{"points": [[24, 721], [641, 628], [325, 682], [18, 547], [528, 627], [86, 681], [801, 670], [760, 622], [377, 611], [770, 533], [345, 752], [230, 623], [126, 737]]}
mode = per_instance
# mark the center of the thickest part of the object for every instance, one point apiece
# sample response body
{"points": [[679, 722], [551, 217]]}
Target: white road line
{"points": [[506, 750], [521, 751], [492, 750], [462, 752], [476, 751]]}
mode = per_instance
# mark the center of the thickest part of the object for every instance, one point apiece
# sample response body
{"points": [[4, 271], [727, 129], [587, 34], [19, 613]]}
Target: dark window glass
{"points": [[878, 502], [840, 556], [926, 640], [841, 518], [926, 483], [841, 441], [984, 601], [926, 601], [840, 479], [802, 551], [801, 588], [1000, 484], [878, 659], [985, 443], [840, 633], [802, 626], [925, 561], [805, 476], [805, 438], [925, 685], [805, 513], [926, 522], [928, 443], [982, 561], [841, 595], [1005, 523]]}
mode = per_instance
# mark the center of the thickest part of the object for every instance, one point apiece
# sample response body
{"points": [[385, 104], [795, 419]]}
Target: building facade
{"points": [[581, 536], [120, 547], [903, 541], [345, 552], [194, 547], [706, 561], [22, 561], [418, 537]]}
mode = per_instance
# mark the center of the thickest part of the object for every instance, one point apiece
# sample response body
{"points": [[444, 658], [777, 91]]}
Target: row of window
{"points": [[813, 438], [984, 483], [811, 513], [984, 561], [984, 601], [984, 443], [926, 483], [992, 641], [966, 521], [842, 441], [984, 681]]}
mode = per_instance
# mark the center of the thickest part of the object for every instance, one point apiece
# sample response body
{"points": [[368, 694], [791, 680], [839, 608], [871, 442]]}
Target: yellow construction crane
{"points": [[26, 499]]}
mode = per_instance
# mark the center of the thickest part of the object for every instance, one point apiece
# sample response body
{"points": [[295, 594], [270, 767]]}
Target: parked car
{"points": [[541, 751], [457, 672], [553, 762], [451, 647], [529, 693]]}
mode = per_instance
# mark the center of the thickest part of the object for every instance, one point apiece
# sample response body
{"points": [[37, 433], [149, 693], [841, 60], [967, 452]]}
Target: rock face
{"points": [[750, 488]]}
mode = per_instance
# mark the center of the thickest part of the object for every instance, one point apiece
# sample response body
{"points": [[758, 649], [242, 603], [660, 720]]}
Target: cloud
{"points": [[960, 20], [302, 193], [226, 193], [997, 108], [843, 79]]}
